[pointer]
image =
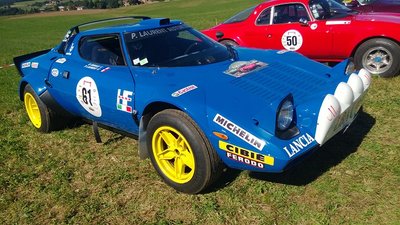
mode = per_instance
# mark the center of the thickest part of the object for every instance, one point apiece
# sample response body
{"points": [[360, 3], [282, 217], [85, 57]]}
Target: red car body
{"points": [[374, 5], [323, 30]]}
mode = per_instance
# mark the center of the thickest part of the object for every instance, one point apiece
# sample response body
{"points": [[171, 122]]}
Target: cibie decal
{"points": [[241, 68], [298, 144], [184, 90], [239, 132], [338, 22], [246, 156], [61, 60], [88, 96], [123, 100], [54, 72], [292, 40]]}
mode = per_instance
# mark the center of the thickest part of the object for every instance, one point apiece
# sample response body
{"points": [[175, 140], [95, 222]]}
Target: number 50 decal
{"points": [[292, 40], [88, 96]]}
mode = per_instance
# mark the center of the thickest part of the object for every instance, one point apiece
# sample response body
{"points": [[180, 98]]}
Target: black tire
{"points": [[379, 56], [37, 111], [187, 150], [229, 42]]}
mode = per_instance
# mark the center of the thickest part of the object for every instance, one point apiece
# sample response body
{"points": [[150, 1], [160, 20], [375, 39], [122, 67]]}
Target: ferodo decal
{"points": [[25, 65], [88, 96], [184, 90], [241, 68], [292, 40], [239, 132], [123, 100], [298, 144], [246, 156]]}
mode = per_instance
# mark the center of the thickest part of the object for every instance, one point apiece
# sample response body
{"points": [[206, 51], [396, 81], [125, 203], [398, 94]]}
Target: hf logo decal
{"points": [[123, 99], [246, 156]]}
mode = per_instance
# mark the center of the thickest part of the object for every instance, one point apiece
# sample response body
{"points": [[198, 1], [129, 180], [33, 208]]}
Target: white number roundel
{"points": [[292, 40], [88, 96]]}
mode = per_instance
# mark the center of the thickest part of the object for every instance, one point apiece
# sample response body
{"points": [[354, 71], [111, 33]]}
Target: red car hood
{"points": [[378, 16]]}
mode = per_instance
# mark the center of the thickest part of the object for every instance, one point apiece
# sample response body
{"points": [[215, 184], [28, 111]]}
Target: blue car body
{"points": [[235, 102]]}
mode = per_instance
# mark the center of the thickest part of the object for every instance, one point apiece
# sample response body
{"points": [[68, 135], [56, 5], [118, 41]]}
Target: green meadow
{"points": [[65, 177]]}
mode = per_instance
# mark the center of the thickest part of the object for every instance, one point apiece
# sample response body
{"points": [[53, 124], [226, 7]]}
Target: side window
{"points": [[290, 13], [104, 49], [264, 17]]}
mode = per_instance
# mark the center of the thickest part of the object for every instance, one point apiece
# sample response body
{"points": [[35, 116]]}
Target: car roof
{"points": [[144, 23]]}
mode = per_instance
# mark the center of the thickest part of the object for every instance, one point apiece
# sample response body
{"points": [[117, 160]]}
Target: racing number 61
{"points": [[87, 96]]}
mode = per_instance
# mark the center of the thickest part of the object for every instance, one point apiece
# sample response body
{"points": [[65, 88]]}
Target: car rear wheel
{"points": [[379, 56], [180, 152], [37, 111], [229, 42]]}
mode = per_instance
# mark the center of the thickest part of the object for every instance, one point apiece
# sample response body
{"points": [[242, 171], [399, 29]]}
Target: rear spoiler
{"points": [[19, 59]]}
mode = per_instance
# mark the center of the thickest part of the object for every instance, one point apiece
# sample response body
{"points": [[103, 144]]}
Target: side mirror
{"points": [[219, 34], [303, 21]]}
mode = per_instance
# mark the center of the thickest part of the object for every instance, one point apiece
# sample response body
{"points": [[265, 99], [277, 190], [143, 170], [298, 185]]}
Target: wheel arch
{"points": [[354, 50]]}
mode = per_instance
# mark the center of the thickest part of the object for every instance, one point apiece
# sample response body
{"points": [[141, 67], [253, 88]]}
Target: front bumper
{"points": [[340, 109]]}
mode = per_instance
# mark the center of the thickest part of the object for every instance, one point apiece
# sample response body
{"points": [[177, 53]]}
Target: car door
{"points": [[93, 81], [281, 29]]}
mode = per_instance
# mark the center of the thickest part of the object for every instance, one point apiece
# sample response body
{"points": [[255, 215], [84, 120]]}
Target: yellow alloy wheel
{"points": [[32, 108], [173, 154]]}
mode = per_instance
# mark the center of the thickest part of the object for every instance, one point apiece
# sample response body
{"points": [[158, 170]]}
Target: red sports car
{"points": [[373, 5], [323, 30]]}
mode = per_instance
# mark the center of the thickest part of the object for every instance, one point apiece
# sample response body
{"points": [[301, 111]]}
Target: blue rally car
{"points": [[194, 105]]}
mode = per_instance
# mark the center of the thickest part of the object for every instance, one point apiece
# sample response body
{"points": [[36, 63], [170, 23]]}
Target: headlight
{"points": [[285, 115], [350, 68]]}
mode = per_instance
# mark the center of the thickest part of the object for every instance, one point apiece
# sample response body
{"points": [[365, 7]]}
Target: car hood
{"points": [[254, 94], [378, 17]]}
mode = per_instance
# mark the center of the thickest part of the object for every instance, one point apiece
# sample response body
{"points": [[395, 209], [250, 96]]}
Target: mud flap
{"points": [[142, 149]]}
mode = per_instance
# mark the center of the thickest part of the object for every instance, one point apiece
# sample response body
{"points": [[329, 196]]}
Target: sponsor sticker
{"points": [[35, 65], [61, 60], [96, 67], [54, 72], [123, 100], [292, 40], [184, 90], [88, 96], [239, 132], [246, 156], [281, 52], [25, 65], [297, 145], [241, 68]]}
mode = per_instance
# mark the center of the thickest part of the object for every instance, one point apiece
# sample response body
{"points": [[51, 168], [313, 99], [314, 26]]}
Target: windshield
{"points": [[328, 9], [243, 15], [173, 46]]}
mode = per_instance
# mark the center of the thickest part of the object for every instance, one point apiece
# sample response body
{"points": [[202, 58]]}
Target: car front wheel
{"points": [[379, 56], [180, 152]]}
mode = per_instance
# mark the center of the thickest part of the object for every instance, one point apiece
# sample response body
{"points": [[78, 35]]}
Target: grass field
{"points": [[65, 177]]}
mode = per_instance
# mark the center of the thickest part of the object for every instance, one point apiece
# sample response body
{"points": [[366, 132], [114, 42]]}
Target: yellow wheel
{"points": [[173, 154], [32, 108], [37, 111], [181, 153]]}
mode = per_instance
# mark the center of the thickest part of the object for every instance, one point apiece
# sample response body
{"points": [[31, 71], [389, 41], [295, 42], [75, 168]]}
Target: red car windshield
{"points": [[328, 9]]}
